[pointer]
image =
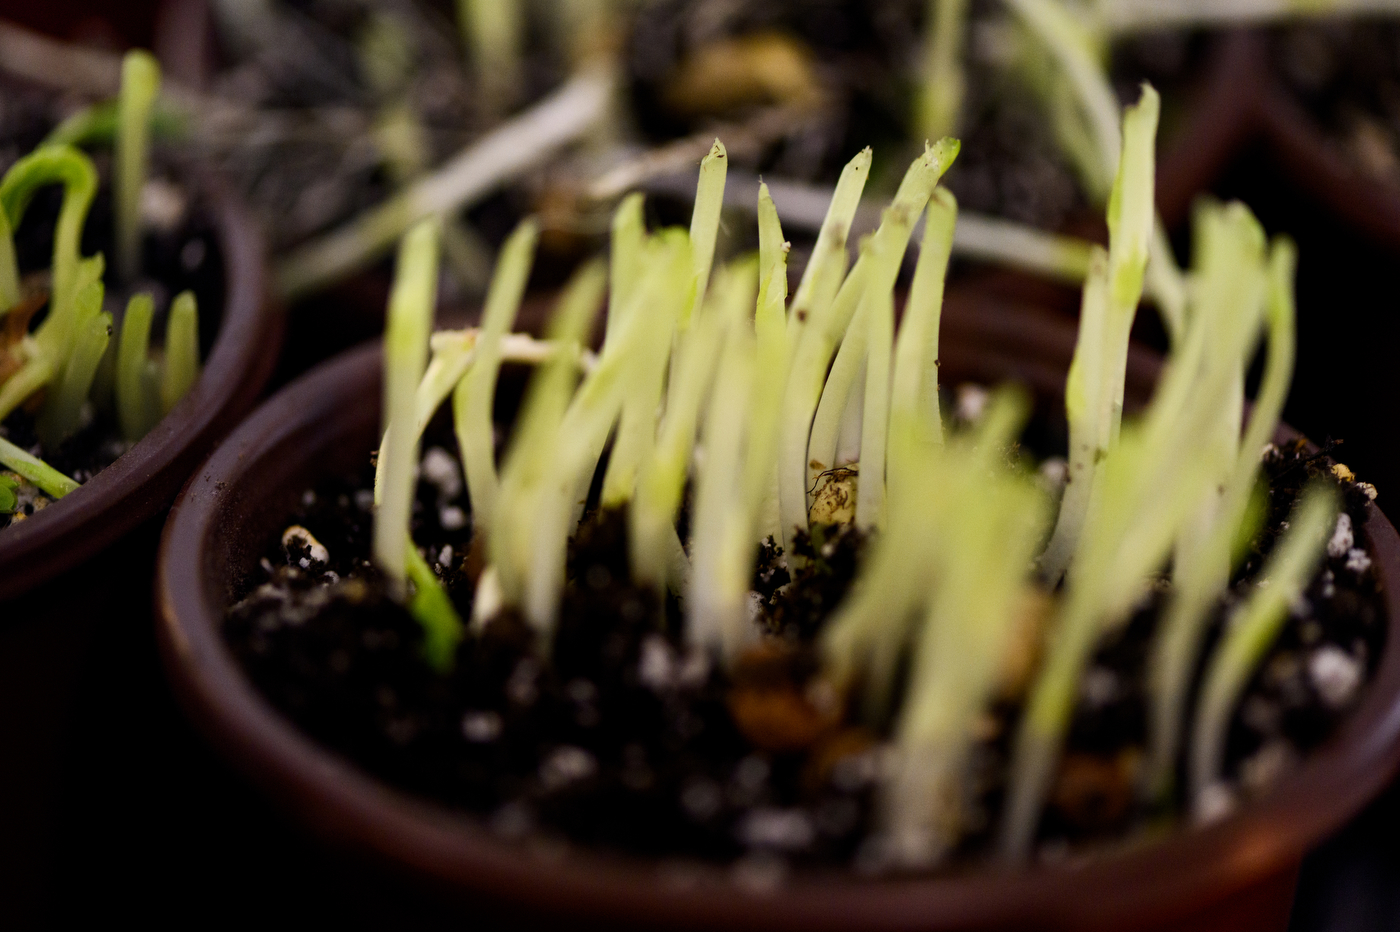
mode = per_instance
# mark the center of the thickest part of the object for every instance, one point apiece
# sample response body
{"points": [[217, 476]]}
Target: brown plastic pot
{"points": [[1236, 875], [143, 482], [1314, 162]]}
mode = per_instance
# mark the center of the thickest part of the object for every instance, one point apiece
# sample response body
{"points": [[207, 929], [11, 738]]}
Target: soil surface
{"points": [[1346, 74], [622, 739], [180, 251]]}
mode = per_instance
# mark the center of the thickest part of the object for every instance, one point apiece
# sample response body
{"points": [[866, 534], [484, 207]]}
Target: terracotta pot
{"points": [[1238, 874]]}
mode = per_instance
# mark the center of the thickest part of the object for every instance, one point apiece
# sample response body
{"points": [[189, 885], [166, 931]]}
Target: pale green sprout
{"points": [[647, 376], [770, 370], [1089, 128], [916, 424], [526, 468], [473, 398], [9, 267], [867, 633], [493, 31], [54, 339], [406, 330], [875, 272], [827, 265], [1253, 627], [1149, 490], [528, 561], [1094, 392], [406, 334], [984, 527], [940, 98], [722, 543], [662, 475], [62, 412], [29, 467], [134, 408], [704, 220], [181, 363], [629, 236], [874, 433], [1203, 564], [9, 501], [139, 89]]}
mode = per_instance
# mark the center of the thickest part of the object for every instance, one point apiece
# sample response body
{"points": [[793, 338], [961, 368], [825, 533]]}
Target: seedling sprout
{"points": [[716, 379], [71, 358]]}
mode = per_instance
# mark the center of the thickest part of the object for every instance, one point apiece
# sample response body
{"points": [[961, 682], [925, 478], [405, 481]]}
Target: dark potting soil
{"points": [[180, 251], [623, 739], [1345, 72]]}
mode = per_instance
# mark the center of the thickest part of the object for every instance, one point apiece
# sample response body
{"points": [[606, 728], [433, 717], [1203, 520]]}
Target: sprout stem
{"points": [[941, 95], [1254, 626], [704, 220], [433, 610], [181, 351], [63, 410], [406, 331], [140, 87], [52, 482], [133, 350], [475, 395]]}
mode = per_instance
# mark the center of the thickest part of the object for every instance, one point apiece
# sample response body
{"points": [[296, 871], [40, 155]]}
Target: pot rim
{"points": [[1262, 840], [144, 480]]}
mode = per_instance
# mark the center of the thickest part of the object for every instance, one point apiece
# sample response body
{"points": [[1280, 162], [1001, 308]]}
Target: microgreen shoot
{"points": [[1094, 393], [473, 398], [1252, 628], [406, 331], [875, 272], [493, 33], [9, 501], [134, 409], [49, 480], [140, 87], [181, 363], [944, 84]]}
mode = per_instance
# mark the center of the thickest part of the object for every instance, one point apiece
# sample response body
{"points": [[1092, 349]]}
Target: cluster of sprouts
{"points": [[79, 358], [753, 397]]}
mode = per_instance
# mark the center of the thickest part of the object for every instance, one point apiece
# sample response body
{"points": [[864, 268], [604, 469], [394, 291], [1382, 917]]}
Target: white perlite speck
{"points": [[1214, 803], [441, 469], [1342, 537], [1335, 674], [1357, 561], [481, 727], [656, 668], [452, 518], [782, 829], [567, 764]]}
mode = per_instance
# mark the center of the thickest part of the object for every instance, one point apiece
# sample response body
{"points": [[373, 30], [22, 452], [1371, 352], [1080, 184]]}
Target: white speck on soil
{"points": [[445, 556], [521, 688], [656, 668], [780, 829], [452, 518], [567, 764], [481, 727], [1335, 674], [1357, 561], [1368, 490], [1342, 537], [972, 402], [1214, 803], [441, 470], [364, 499]]}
